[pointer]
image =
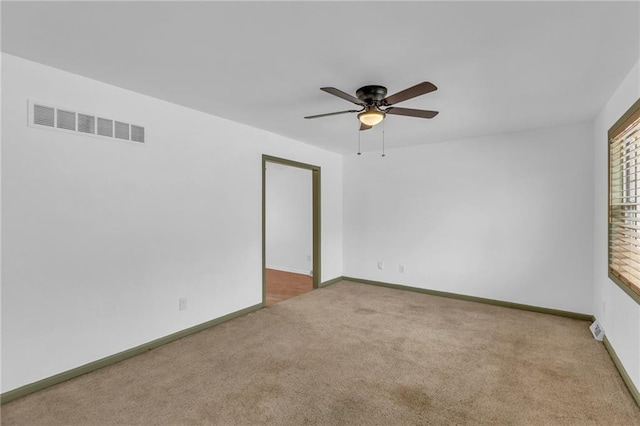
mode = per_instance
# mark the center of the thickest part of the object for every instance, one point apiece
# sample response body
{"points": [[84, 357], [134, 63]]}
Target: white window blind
{"points": [[624, 203]]}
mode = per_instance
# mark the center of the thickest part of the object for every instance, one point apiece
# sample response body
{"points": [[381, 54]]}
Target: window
{"points": [[624, 202]]}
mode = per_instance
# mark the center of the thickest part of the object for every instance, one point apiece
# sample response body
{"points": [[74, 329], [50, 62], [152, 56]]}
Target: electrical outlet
{"points": [[308, 258], [380, 265], [401, 269], [182, 304]]}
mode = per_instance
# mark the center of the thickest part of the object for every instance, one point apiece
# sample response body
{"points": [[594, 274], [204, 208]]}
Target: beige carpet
{"points": [[353, 354]]}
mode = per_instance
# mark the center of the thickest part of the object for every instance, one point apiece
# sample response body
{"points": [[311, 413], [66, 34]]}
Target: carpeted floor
{"points": [[353, 354]]}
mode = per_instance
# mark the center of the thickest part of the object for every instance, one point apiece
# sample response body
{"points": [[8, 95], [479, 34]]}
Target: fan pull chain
{"points": [[359, 153], [383, 139]]}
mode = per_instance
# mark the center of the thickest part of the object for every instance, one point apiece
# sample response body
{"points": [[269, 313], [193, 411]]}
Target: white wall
{"points": [[101, 238], [505, 217], [618, 313], [289, 218]]}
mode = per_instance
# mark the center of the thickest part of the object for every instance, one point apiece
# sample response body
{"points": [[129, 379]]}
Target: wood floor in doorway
{"points": [[283, 285]]}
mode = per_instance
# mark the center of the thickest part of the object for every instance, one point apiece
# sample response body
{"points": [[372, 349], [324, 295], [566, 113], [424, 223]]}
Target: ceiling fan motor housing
{"points": [[371, 95]]}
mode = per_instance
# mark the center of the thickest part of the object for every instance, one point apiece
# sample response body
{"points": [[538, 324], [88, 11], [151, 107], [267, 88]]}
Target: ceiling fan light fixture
{"points": [[371, 116]]}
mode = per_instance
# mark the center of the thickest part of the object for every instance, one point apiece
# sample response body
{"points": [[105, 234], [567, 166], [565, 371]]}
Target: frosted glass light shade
{"points": [[371, 117]]}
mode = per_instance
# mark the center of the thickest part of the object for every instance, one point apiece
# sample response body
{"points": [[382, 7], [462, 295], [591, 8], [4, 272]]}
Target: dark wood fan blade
{"points": [[420, 113], [331, 113], [411, 92], [341, 94], [364, 127]]}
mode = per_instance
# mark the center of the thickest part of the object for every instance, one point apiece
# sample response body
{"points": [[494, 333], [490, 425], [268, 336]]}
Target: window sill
{"points": [[635, 296]]}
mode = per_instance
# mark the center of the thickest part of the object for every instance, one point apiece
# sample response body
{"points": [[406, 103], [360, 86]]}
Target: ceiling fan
{"points": [[376, 104]]}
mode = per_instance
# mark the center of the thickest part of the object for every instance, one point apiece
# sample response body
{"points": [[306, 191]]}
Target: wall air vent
{"points": [[86, 123], [105, 127], [67, 120], [122, 130], [44, 116], [137, 133]]}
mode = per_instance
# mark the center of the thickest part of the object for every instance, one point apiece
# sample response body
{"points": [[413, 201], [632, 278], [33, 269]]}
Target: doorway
{"points": [[313, 257]]}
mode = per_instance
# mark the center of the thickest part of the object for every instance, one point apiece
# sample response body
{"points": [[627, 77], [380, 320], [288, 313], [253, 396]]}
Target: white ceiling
{"points": [[499, 66]]}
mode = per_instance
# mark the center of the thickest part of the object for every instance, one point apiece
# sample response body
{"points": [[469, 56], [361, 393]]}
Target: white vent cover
{"points": [[137, 133], [65, 119], [86, 123], [597, 331], [105, 127], [122, 130], [44, 116]]}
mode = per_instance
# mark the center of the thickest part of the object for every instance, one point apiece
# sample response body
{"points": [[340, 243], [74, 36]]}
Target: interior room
{"points": [[444, 180], [288, 230]]}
